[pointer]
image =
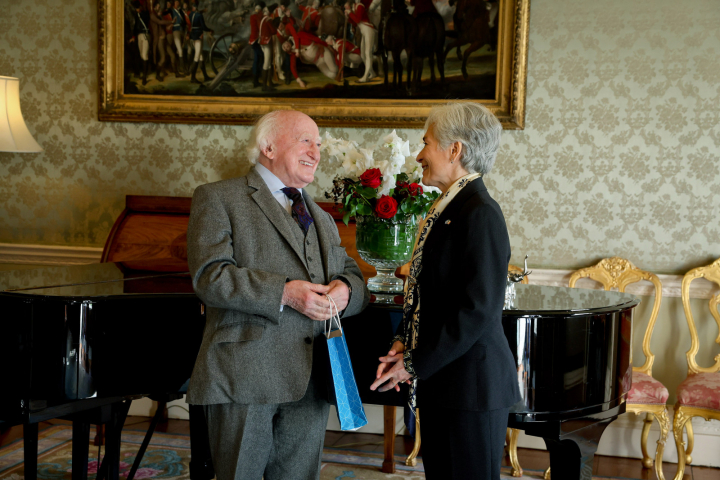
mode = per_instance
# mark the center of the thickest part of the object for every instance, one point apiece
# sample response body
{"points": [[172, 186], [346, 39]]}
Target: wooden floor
{"points": [[628, 468]]}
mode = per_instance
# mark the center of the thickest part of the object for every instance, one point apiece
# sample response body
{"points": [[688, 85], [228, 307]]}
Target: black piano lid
{"points": [[543, 300], [96, 280], [539, 300]]}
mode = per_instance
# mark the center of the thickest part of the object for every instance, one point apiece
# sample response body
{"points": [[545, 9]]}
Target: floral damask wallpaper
{"points": [[620, 154]]}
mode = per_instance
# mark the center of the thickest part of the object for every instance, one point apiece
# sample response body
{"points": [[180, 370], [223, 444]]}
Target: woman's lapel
{"points": [[444, 224]]}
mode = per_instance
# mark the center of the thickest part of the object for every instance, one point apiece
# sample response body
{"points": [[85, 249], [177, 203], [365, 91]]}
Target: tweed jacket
{"points": [[241, 252]]}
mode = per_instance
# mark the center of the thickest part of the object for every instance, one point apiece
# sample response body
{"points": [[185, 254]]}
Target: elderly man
{"points": [[263, 256]]}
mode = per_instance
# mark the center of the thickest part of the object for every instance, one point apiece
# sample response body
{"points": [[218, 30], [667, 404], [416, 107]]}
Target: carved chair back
{"points": [[712, 273], [616, 272]]}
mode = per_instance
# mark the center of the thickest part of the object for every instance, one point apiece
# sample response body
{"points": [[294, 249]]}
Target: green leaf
{"points": [[346, 218], [369, 192]]}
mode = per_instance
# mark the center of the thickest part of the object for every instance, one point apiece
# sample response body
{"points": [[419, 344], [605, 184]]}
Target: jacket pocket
{"points": [[239, 332]]}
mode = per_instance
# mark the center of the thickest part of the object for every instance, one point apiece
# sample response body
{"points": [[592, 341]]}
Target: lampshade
{"points": [[14, 134]]}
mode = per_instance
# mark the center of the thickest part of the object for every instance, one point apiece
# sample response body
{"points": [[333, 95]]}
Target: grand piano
{"points": [[84, 341]]}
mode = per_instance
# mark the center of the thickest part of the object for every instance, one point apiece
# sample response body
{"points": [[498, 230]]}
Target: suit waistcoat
{"points": [[309, 246]]}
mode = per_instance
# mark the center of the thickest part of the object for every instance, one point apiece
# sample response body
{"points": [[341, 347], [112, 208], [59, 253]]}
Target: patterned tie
{"points": [[299, 213]]}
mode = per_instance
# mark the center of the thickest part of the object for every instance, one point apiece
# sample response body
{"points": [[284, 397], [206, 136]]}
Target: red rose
{"points": [[401, 185], [386, 207], [415, 189], [371, 178]]}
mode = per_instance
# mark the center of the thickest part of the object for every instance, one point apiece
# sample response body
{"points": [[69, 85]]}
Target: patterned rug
{"points": [[168, 457]]}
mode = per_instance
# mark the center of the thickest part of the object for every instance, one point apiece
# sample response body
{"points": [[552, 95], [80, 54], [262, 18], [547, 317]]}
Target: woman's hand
{"points": [[391, 369], [388, 361]]}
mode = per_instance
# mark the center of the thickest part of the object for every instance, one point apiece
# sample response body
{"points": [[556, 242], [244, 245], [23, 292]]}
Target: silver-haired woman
{"points": [[451, 348]]}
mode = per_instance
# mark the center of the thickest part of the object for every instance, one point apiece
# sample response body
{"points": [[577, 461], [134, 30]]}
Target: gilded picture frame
{"points": [[116, 103]]}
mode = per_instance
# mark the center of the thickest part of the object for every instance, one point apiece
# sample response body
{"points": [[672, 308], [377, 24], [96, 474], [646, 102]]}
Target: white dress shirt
{"points": [[275, 185]]}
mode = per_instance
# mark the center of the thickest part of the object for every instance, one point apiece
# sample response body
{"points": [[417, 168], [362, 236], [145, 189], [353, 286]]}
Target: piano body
{"points": [[80, 343], [90, 338]]}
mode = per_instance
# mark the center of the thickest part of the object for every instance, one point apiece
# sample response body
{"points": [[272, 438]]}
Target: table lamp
{"points": [[14, 134]]}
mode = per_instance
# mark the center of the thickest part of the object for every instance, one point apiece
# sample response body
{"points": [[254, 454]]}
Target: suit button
{"points": [[308, 242], [308, 340], [312, 275], [309, 259]]}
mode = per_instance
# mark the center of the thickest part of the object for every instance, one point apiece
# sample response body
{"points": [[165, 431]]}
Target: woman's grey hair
{"points": [[474, 127], [261, 134]]}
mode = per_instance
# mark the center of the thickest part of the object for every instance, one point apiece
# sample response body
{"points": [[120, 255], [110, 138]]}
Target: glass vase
{"points": [[385, 244]]}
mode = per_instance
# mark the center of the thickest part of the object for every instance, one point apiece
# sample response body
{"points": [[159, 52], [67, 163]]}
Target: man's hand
{"points": [[340, 293], [307, 298], [302, 84]]}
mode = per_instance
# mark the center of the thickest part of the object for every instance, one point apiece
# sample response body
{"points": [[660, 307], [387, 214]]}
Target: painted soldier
{"points": [[267, 32], [368, 34], [197, 29], [254, 42], [311, 17], [167, 15], [158, 29], [141, 36], [347, 54], [179, 27], [312, 51]]}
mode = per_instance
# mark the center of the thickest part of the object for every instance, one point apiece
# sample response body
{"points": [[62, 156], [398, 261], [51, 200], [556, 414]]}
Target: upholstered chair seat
{"points": [[646, 390], [701, 390]]}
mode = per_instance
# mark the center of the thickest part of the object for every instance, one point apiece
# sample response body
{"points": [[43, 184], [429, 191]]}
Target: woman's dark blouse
{"points": [[463, 359]]}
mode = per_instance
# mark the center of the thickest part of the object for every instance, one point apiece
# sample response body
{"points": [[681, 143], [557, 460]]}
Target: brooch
{"points": [[447, 222]]}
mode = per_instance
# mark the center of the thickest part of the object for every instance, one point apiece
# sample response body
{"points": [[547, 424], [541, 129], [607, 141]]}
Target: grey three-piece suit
{"points": [[260, 372]]}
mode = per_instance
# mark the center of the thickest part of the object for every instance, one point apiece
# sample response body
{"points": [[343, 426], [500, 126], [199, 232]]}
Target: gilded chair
{"points": [[511, 436], [647, 394], [699, 394]]}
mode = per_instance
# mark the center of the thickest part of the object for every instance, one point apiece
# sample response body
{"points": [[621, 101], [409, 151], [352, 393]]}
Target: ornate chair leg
{"points": [[507, 441], [546, 475], [690, 442], [678, 425], [647, 423], [515, 471], [411, 460], [664, 422]]}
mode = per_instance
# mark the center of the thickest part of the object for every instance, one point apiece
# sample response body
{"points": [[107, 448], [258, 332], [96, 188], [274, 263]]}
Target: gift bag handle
{"points": [[333, 317]]}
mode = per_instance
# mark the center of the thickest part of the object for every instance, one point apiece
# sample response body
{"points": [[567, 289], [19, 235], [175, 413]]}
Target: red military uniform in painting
{"points": [[254, 27], [360, 15], [267, 30], [310, 19], [348, 47]]}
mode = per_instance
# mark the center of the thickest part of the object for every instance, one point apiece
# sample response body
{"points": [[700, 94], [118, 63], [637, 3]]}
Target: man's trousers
{"points": [[275, 441]]}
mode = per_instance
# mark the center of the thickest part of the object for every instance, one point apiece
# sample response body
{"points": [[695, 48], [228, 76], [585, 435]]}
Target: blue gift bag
{"points": [[343, 391]]}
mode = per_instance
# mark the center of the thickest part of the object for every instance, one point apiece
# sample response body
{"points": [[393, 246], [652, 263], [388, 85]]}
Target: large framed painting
{"points": [[344, 62]]}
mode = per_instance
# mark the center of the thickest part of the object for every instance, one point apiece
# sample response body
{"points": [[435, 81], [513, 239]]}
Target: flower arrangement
{"points": [[383, 181]]}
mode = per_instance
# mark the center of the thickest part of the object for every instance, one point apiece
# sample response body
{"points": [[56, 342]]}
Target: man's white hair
{"points": [[262, 134]]}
